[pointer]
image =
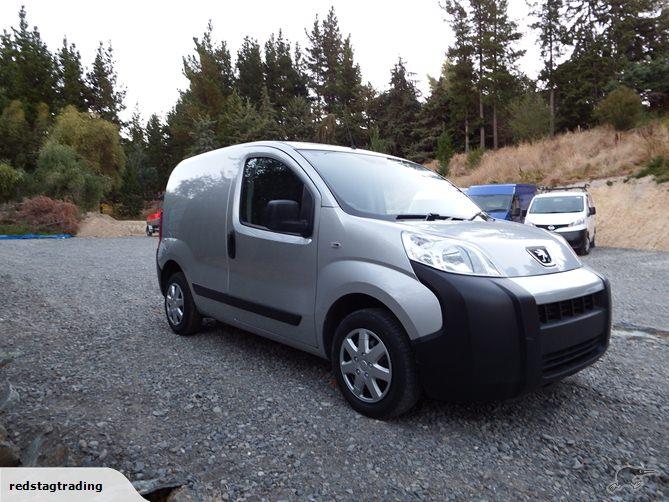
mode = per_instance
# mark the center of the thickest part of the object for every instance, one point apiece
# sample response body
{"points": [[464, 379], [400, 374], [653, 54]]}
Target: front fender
{"points": [[416, 307]]}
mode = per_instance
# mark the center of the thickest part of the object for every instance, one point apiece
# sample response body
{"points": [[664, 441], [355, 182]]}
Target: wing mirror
{"points": [[284, 216], [592, 211]]}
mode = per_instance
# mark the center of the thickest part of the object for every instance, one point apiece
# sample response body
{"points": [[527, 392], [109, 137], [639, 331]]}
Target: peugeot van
{"points": [[568, 213], [379, 265]]}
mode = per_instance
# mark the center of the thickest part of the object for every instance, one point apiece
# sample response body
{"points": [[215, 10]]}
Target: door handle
{"points": [[232, 248]]}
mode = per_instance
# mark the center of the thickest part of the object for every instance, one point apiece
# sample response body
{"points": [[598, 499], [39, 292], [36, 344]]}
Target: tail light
{"points": [[160, 227]]}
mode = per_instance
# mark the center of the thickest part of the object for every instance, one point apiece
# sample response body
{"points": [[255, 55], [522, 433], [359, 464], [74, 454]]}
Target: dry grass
{"points": [[567, 158]]}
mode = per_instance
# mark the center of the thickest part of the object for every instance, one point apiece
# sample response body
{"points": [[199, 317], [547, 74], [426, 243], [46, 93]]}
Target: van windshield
{"points": [[490, 203], [382, 187], [566, 204]]}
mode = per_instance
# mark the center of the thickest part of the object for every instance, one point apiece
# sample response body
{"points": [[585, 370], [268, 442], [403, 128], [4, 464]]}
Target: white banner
{"points": [[75, 484]]}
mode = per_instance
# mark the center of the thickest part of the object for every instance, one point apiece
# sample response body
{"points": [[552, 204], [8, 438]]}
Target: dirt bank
{"points": [[102, 225]]}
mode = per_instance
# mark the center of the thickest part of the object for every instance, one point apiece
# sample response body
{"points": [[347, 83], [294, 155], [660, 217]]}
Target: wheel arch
{"points": [[170, 268]]}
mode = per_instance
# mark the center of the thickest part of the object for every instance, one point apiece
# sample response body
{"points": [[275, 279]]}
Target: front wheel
{"points": [[182, 315], [585, 247], [373, 363]]}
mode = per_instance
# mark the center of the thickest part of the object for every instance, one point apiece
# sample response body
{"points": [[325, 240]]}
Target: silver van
{"points": [[379, 265]]}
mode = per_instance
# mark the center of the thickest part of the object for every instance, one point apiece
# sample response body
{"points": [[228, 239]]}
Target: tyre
{"points": [[182, 315], [592, 244], [585, 247], [374, 364], [149, 231]]}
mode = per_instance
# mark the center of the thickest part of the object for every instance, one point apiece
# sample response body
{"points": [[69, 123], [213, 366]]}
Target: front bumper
{"points": [[575, 238], [497, 343]]}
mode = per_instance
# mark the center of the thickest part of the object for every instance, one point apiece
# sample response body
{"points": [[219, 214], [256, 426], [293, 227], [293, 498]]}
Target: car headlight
{"points": [[449, 255], [580, 221]]}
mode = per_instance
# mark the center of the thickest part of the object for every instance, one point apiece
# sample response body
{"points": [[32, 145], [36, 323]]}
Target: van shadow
{"points": [[539, 406]]}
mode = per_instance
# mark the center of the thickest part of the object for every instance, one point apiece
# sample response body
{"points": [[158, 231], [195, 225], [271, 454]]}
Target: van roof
{"points": [[301, 145], [559, 194]]}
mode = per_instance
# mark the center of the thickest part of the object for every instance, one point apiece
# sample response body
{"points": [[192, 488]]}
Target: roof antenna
{"points": [[348, 132]]}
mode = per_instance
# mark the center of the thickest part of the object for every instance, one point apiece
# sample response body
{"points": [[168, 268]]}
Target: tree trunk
{"points": [[552, 105], [482, 127], [466, 134], [494, 126]]}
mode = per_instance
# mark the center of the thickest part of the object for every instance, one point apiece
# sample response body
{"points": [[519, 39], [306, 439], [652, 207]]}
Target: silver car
{"points": [[379, 265]]}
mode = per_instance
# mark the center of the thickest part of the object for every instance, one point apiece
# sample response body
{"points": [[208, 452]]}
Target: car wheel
{"points": [[585, 247], [149, 232], [182, 315], [592, 244], [374, 364]]}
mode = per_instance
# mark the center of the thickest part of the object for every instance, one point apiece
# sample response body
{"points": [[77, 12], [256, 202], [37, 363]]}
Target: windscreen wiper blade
{"points": [[482, 215], [425, 217]]}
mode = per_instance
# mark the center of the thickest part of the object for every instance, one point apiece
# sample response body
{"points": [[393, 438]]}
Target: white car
{"points": [[570, 214]]}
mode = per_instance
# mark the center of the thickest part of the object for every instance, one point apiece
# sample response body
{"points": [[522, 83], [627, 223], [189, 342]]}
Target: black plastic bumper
{"points": [[575, 238], [496, 343]]}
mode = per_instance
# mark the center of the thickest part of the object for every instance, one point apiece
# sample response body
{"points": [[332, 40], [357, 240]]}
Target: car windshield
{"points": [[492, 203], [557, 204], [382, 187]]}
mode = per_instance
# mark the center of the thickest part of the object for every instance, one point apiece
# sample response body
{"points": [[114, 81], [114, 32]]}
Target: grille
{"points": [[557, 311], [556, 362], [555, 227]]}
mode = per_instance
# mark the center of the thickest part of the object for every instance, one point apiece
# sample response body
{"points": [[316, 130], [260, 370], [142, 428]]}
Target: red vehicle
{"points": [[153, 222]]}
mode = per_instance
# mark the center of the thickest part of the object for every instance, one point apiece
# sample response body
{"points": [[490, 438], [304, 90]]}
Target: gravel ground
{"points": [[639, 283], [242, 417]]}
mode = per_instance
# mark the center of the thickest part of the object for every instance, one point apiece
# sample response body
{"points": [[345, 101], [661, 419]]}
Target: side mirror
{"points": [[284, 216], [593, 211]]}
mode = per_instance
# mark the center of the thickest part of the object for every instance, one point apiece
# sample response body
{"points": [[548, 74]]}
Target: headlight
{"points": [[580, 221], [449, 255]]}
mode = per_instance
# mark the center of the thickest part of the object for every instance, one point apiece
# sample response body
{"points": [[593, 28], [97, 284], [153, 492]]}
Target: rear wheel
{"points": [[374, 365], [182, 315], [585, 247]]}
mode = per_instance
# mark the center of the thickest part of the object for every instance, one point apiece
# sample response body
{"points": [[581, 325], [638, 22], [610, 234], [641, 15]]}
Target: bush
{"points": [[474, 157], [45, 215], [529, 118], [63, 174], [621, 108], [444, 152], [658, 168], [10, 179]]}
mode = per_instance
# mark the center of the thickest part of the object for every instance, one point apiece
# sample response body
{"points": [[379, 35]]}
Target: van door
{"points": [[273, 247]]}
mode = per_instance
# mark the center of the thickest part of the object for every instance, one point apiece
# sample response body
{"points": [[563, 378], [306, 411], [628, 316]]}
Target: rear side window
{"points": [[266, 179]]}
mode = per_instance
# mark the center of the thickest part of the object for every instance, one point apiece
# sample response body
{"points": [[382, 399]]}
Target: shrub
{"points": [[46, 215], [444, 151], [474, 157], [10, 179], [658, 168], [621, 108], [63, 174]]}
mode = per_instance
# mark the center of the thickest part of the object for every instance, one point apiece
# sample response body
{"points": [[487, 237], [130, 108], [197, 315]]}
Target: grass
{"points": [[658, 168], [571, 157], [19, 229]]}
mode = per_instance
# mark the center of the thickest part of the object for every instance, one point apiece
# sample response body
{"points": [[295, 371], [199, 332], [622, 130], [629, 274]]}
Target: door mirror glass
{"points": [[593, 211]]}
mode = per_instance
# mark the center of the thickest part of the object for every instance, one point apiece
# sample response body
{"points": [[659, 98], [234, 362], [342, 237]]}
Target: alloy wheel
{"points": [[365, 365]]}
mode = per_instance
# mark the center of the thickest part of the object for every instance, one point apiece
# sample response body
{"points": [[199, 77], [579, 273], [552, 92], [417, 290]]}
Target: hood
{"points": [[506, 244], [553, 218]]}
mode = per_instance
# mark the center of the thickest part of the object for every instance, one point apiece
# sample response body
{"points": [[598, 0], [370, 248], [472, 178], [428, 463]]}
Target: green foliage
{"points": [[95, 140], [658, 167], [530, 117], [71, 87], [621, 108], [474, 157], [298, 120], [104, 94], [10, 179], [250, 80], [444, 151], [376, 142], [15, 135], [63, 174]]}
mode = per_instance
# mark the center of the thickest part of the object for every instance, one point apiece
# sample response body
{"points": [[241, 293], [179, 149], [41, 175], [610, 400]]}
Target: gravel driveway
{"points": [[243, 417]]}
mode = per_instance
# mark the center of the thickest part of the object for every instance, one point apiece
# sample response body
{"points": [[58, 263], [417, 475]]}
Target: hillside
{"points": [[631, 212]]}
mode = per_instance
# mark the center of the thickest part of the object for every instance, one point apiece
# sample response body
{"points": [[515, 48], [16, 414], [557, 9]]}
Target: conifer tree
{"points": [[71, 85], [105, 95], [250, 75]]}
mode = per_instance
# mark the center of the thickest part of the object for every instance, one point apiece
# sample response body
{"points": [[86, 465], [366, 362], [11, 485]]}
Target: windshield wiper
{"points": [[482, 215], [425, 217]]}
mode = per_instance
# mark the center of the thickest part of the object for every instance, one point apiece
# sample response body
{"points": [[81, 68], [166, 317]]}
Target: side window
{"points": [[273, 197]]}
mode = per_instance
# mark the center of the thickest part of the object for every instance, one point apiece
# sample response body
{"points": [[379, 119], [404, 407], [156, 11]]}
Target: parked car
{"points": [[569, 212], [379, 265], [503, 201], [153, 222]]}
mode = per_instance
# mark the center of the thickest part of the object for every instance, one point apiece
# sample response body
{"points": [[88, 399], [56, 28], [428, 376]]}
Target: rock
{"points": [[8, 396], [9, 454]]}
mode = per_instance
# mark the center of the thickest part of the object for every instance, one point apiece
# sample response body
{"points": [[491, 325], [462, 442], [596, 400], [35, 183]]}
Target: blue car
{"points": [[503, 202]]}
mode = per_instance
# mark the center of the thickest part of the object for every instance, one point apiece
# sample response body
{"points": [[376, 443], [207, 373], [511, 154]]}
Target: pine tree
{"points": [[284, 75], [105, 96], [71, 86], [552, 33], [250, 74], [156, 148]]}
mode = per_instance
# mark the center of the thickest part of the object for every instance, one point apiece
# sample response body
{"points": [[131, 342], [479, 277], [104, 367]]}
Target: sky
{"points": [[150, 37]]}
